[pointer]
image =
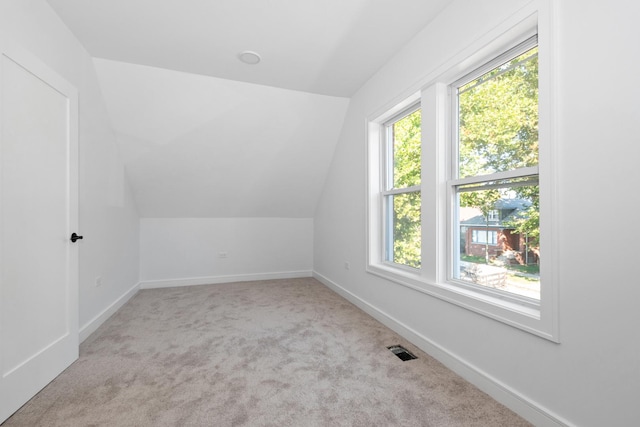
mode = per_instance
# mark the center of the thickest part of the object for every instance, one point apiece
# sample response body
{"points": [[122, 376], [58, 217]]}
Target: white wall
{"points": [[179, 251], [592, 378], [108, 216]]}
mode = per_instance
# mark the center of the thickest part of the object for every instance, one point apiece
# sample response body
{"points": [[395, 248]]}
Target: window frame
{"points": [[434, 95], [454, 181]]}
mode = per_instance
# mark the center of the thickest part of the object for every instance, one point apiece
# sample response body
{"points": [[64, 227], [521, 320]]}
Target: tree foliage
{"points": [[406, 173], [498, 131], [406, 150], [498, 118]]}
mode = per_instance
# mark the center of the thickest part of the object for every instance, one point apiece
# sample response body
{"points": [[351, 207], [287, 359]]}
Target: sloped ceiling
{"points": [[205, 135], [198, 146]]}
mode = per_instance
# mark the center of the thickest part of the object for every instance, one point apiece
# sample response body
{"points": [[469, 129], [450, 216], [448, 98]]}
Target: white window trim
{"points": [[537, 318]]}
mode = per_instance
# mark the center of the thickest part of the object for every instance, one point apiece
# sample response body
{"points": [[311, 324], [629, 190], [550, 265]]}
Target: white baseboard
{"points": [[526, 408], [195, 281], [91, 326]]}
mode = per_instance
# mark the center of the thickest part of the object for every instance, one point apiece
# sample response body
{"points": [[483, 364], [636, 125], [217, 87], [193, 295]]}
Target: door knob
{"points": [[75, 237]]}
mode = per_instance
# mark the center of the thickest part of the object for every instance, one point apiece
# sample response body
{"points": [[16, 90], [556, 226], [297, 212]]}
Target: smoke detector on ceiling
{"points": [[249, 57]]}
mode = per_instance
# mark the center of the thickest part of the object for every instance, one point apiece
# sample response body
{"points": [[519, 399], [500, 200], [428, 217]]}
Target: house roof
{"points": [[511, 207]]}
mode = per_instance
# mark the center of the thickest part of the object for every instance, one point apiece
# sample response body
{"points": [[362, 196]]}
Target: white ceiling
{"points": [[329, 47], [205, 135]]}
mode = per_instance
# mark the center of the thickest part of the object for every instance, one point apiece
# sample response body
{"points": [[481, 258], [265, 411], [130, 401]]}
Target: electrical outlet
{"points": [[98, 281], [223, 254], [347, 265]]}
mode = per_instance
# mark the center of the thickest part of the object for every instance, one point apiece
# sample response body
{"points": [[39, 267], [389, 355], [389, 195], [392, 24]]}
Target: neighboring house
{"points": [[494, 235]]}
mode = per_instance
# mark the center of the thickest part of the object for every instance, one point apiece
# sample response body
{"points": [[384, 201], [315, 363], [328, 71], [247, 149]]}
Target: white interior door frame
{"points": [[28, 372]]}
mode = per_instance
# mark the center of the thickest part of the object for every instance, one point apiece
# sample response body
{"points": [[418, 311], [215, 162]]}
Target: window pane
{"points": [[404, 241], [498, 118], [487, 236], [406, 151], [502, 254]]}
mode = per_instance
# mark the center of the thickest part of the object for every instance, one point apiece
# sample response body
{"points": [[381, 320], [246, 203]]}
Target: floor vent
{"points": [[402, 352]]}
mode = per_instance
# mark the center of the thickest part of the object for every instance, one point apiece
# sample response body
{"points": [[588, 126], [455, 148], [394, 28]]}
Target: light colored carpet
{"points": [[270, 353]]}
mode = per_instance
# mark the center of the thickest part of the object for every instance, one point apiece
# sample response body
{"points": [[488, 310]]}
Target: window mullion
{"points": [[434, 134]]}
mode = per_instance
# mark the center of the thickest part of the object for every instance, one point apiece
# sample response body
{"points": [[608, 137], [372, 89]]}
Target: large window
{"points": [[461, 185], [495, 142]]}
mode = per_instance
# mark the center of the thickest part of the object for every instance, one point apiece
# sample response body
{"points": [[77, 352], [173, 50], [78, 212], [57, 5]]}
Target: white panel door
{"points": [[38, 213]]}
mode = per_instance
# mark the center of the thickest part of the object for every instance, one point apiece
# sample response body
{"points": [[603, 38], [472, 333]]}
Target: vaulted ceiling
{"points": [[205, 135], [198, 146]]}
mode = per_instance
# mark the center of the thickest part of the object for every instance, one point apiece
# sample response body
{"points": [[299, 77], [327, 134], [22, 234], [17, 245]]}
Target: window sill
{"points": [[524, 314]]}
